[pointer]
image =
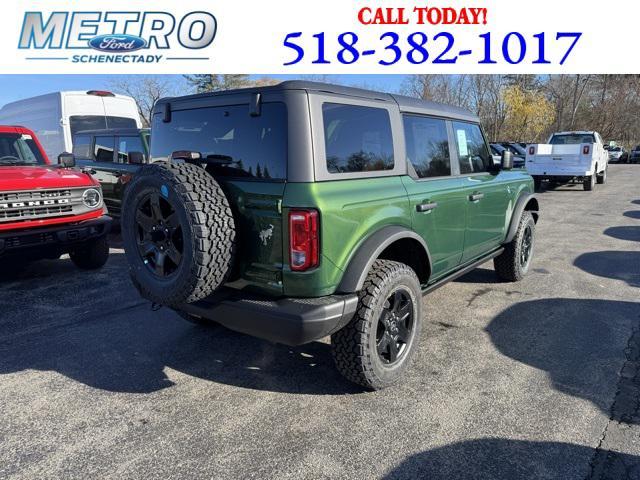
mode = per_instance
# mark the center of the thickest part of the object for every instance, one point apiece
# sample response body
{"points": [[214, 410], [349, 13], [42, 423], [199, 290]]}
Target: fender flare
{"points": [[517, 213], [356, 272]]}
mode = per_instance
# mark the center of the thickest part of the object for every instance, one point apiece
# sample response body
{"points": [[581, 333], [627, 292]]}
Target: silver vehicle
{"points": [[615, 153]]}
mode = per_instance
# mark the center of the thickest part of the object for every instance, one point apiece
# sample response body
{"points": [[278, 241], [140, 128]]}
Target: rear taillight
{"points": [[532, 150], [303, 239], [585, 150]]}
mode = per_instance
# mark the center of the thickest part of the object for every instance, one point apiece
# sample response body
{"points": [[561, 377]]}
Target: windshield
{"points": [[79, 123], [19, 149], [517, 149], [572, 139]]}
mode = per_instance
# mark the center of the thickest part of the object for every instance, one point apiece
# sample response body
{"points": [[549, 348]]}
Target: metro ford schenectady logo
{"points": [[117, 43], [116, 37]]}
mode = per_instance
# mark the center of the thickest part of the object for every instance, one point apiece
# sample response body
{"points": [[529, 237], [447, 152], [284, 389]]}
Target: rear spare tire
{"points": [[178, 233]]}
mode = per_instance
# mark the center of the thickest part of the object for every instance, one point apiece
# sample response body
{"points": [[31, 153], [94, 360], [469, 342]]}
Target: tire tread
{"points": [[210, 217], [352, 358]]}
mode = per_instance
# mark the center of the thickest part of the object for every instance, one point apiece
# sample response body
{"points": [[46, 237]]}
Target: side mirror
{"points": [[507, 160], [67, 160], [136, 158]]}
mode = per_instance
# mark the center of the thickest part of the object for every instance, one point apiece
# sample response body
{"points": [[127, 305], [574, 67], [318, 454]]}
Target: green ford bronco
{"points": [[304, 210]]}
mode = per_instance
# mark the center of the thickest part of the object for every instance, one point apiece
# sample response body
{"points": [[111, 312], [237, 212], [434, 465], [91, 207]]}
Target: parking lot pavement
{"points": [[537, 379]]}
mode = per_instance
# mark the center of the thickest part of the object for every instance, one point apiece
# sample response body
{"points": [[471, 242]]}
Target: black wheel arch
{"points": [[526, 201], [392, 242]]}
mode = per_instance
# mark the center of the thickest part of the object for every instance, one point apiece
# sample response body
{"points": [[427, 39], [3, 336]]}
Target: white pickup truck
{"points": [[569, 157]]}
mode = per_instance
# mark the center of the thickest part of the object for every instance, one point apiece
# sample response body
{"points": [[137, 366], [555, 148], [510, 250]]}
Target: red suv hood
{"points": [[32, 178]]}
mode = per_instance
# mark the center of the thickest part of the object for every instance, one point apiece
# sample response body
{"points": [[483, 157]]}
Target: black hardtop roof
{"points": [[406, 104], [112, 131]]}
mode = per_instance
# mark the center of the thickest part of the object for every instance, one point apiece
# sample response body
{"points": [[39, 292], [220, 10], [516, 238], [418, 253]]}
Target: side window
{"points": [[473, 154], [82, 147], [129, 144], [427, 146], [357, 139], [103, 150]]}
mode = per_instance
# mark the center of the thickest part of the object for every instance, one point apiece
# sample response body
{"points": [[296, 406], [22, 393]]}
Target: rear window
{"points": [[572, 139], [78, 123], [19, 149], [357, 139], [234, 143]]}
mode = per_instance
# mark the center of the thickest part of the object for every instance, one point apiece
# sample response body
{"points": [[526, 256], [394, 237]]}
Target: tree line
{"points": [[528, 108], [519, 108]]}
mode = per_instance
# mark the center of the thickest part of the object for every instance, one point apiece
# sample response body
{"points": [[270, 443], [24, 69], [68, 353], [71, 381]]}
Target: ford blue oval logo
{"points": [[117, 43]]}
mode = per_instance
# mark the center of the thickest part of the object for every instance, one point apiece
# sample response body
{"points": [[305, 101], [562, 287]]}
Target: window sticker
{"points": [[462, 143]]}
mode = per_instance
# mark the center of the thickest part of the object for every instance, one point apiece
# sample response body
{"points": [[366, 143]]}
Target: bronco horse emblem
{"points": [[266, 234]]}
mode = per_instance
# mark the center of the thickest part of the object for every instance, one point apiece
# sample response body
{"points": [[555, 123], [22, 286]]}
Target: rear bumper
{"points": [[553, 171], [291, 321], [57, 238]]}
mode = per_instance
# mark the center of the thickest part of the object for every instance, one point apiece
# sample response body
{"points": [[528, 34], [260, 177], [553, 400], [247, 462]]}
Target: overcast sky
{"points": [[16, 87]]}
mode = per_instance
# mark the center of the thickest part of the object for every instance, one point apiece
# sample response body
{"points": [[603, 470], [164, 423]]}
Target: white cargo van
{"points": [[56, 117]]}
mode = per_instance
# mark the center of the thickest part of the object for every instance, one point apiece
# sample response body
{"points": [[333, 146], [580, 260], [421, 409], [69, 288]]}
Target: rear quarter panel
{"points": [[519, 183], [350, 211]]}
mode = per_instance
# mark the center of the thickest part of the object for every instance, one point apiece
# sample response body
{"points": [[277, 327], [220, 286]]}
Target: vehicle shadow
{"points": [[578, 343], [503, 459], [133, 351], [560, 187], [635, 214], [93, 327], [624, 233], [479, 275], [618, 265]]}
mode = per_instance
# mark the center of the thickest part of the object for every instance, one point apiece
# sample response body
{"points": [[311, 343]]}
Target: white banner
{"points": [[321, 37]]}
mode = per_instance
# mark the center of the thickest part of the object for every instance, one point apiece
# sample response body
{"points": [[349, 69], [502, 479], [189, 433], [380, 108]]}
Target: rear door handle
{"points": [[475, 196], [426, 207]]}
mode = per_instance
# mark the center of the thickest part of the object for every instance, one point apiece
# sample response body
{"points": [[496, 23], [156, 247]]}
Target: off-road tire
{"points": [[589, 182], [602, 178], [91, 255], [207, 225], [354, 346], [508, 265], [537, 183]]}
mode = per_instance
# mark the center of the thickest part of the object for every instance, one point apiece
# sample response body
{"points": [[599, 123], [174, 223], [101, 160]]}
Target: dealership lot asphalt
{"points": [[539, 379]]}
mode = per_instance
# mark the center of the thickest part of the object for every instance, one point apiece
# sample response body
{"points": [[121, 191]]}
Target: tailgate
{"points": [[258, 215], [558, 155]]}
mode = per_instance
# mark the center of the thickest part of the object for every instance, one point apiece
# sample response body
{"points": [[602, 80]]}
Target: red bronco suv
{"points": [[48, 210]]}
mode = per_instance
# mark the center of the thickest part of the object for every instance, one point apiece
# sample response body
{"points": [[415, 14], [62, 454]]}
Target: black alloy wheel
{"points": [[527, 246], [160, 240], [395, 326]]}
